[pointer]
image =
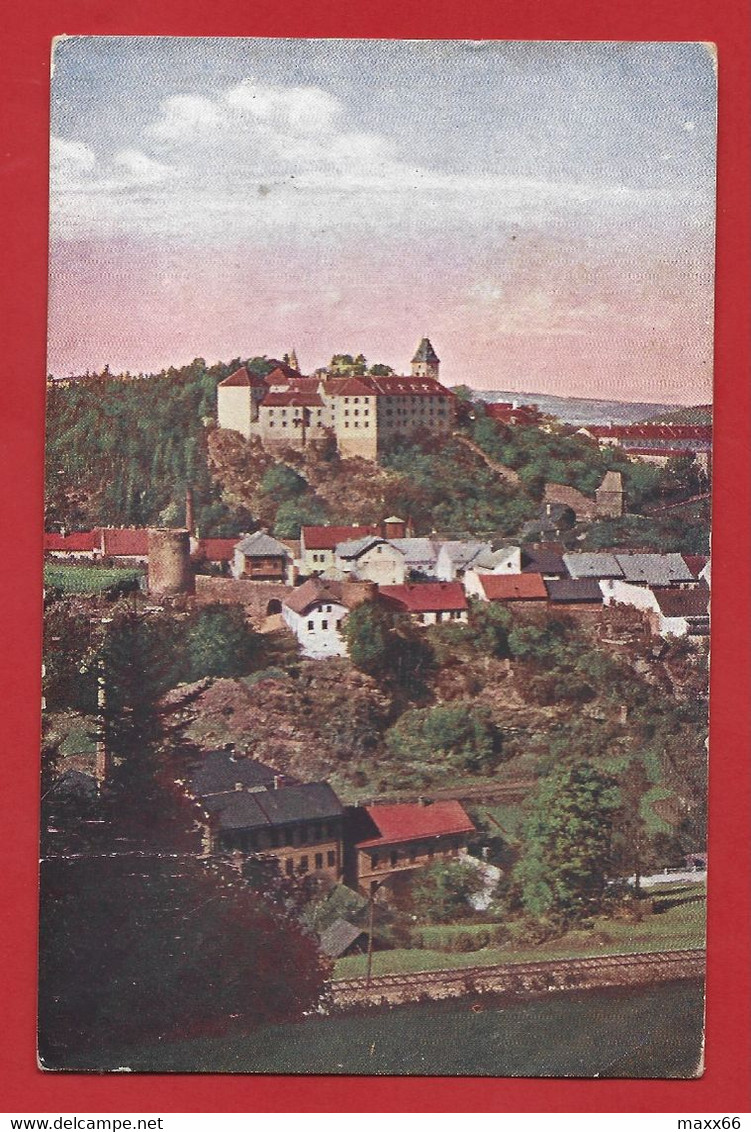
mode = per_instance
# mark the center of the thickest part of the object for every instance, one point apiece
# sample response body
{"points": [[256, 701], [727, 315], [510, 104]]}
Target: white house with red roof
{"points": [[428, 603], [387, 843]]}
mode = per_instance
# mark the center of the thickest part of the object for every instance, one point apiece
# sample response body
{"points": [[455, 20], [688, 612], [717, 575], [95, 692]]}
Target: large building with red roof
{"points": [[386, 843], [363, 413]]}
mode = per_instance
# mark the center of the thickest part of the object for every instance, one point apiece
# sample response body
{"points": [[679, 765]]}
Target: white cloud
{"points": [[259, 158]]}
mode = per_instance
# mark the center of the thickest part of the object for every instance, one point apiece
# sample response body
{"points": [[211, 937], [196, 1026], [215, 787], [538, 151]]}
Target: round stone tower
{"points": [[170, 570]]}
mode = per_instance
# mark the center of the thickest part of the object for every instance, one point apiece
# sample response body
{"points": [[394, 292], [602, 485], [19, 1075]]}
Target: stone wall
{"points": [[254, 596]]}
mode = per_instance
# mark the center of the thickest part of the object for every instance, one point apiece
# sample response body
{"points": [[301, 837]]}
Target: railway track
{"points": [[552, 974]]}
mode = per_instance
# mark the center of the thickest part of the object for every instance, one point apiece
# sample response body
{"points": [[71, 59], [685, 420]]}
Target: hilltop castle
{"points": [[285, 409]]}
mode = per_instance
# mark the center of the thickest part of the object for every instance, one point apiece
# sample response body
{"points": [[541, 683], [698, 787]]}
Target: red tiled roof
{"points": [[242, 376], [682, 603], [500, 411], [395, 385], [426, 597], [76, 542], [215, 549], [282, 370], [357, 386], [311, 593], [125, 542], [513, 587], [327, 538], [292, 397], [653, 431], [410, 822]]}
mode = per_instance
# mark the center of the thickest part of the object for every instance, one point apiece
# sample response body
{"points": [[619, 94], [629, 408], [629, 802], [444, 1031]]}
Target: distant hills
{"points": [[586, 410]]}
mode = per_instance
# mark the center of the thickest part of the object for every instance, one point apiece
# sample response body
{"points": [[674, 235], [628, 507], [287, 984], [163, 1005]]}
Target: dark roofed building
{"points": [[342, 938], [222, 771], [262, 559], [574, 591], [299, 825]]}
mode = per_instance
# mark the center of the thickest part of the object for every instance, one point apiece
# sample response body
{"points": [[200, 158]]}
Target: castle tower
{"points": [[425, 362], [609, 496]]}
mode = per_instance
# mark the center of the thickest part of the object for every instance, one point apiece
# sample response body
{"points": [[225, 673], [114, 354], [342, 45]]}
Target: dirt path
{"points": [[506, 473]]}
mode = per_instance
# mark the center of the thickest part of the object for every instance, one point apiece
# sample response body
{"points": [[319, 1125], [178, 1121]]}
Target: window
{"points": [[357, 412], [328, 609], [324, 624], [339, 623], [319, 860], [394, 856], [289, 865], [311, 626], [331, 858], [374, 860], [303, 866]]}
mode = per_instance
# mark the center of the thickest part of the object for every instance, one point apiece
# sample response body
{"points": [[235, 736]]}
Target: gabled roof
{"points": [[77, 542], [312, 593], [425, 352], [574, 590], [395, 385], [412, 822], [327, 538], [311, 801], [585, 564], [426, 597], [125, 542], [612, 481], [461, 552], [543, 560], [337, 937], [513, 587], [280, 371], [695, 562], [654, 569], [682, 603], [355, 548], [243, 377], [214, 549], [262, 545], [652, 431], [220, 771], [416, 551], [354, 387]]}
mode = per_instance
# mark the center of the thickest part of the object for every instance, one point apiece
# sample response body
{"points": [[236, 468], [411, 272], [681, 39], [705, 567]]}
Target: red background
{"points": [[24, 91]]}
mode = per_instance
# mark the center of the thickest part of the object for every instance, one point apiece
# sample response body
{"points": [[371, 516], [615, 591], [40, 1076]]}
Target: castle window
{"points": [[319, 860], [331, 858], [346, 412], [303, 866], [289, 866], [356, 411], [346, 424], [357, 424]]}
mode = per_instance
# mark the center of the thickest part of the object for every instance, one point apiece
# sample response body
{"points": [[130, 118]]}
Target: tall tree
{"points": [[566, 858]]}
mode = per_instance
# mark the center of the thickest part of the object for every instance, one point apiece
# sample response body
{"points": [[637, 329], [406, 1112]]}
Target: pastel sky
{"points": [[544, 211]]}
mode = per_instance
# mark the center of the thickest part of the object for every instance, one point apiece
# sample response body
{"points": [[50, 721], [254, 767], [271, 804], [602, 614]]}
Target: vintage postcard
{"points": [[377, 573]]}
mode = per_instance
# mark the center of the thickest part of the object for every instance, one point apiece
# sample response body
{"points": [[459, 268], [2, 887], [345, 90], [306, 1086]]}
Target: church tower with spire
{"points": [[293, 362], [425, 362]]}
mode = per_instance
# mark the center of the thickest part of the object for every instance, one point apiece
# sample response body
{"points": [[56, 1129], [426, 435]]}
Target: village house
{"points": [[300, 826], [364, 413], [545, 559], [127, 544], [456, 556], [316, 611], [575, 595], [387, 843], [517, 588], [672, 611], [592, 564], [371, 559], [428, 603], [261, 558], [419, 556], [318, 544]]}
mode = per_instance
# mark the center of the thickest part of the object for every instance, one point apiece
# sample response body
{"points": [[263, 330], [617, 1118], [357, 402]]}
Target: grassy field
{"points": [[635, 1032], [678, 922], [88, 579]]}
